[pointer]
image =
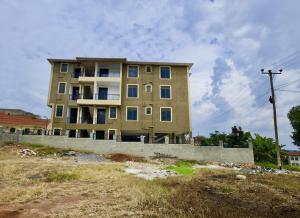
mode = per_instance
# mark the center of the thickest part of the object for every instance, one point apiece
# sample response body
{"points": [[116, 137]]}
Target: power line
{"points": [[288, 83], [283, 90]]}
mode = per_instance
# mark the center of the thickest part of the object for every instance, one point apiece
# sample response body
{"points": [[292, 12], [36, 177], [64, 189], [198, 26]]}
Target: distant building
{"points": [[24, 124], [294, 158]]}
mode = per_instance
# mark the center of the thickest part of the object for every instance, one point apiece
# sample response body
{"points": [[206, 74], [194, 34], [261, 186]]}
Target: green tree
{"points": [[238, 138], [294, 117], [215, 137], [264, 149]]}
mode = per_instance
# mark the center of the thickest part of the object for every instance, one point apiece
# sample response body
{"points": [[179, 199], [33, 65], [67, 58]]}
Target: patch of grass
{"points": [[183, 167], [61, 177], [292, 168]]}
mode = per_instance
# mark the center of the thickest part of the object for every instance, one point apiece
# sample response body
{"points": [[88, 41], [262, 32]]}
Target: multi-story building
{"points": [[107, 97]]}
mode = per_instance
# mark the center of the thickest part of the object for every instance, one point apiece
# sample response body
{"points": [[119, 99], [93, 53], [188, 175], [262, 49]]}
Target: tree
{"points": [[294, 117], [238, 138], [215, 137], [264, 149]]}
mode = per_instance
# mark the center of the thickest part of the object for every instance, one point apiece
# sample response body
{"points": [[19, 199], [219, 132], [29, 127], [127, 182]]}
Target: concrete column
{"points": [[167, 140], [67, 133], [96, 68], [77, 133], [78, 115], [221, 144], [95, 116], [142, 139]]}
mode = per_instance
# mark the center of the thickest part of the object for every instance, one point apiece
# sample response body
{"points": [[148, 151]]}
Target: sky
{"points": [[228, 42]]}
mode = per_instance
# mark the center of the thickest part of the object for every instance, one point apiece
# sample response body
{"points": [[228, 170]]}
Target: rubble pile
{"points": [[27, 152], [252, 169]]}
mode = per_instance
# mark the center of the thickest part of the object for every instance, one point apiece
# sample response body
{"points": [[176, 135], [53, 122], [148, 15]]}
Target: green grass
{"points": [[61, 177], [183, 167], [292, 168]]}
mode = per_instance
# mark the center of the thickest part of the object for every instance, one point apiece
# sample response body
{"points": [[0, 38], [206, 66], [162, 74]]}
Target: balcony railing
{"points": [[110, 74], [74, 97], [71, 120], [100, 96], [86, 96]]}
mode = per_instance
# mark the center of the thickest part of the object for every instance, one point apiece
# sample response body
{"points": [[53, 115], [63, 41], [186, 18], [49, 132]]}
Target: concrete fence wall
{"points": [[183, 151]]}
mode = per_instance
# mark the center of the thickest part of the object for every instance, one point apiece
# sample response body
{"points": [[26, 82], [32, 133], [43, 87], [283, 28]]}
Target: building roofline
{"points": [[122, 60]]}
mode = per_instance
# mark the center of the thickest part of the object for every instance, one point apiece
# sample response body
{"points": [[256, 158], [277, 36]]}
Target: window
{"points": [[64, 68], [132, 91], [166, 114], [296, 158], [165, 92], [61, 88], [148, 88], [113, 113], [56, 131], [112, 134], [132, 113], [59, 110], [148, 110], [292, 158], [165, 73], [12, 130], [148, 69], [133, 71]]}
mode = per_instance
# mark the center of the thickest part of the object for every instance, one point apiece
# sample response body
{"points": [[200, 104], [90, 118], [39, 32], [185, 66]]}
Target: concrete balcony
{"points": [[109, 99]]}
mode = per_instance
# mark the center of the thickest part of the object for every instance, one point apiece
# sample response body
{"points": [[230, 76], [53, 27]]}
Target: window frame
{"points": [[146, 68], [137, 113], [160, 92], [146, 111], [62, 114], [60, 131], [59, 87], [138, 72], [137, 85], [151, 87], [160, 73], [113, 118], [61, 67], [160, 115], [108, 133]]}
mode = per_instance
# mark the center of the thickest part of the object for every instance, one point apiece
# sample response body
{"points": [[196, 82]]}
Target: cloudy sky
{"points": [[228, 42]]}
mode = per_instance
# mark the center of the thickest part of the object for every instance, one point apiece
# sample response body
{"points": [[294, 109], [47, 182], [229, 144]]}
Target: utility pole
{"points": [[272, 100]]}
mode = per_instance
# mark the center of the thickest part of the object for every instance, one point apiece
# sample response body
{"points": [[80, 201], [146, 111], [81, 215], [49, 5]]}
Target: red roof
{"points": [[294, 153], [23, 120]]}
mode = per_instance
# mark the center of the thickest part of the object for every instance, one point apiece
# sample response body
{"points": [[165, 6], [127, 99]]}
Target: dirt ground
{"points": [[54, 186]]}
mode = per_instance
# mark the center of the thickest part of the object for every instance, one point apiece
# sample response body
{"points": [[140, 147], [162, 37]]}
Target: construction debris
{"points": [[27, 152], [241, 177], [147, 171]]}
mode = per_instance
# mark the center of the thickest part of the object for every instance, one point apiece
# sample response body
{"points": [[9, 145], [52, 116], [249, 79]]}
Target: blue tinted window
{"points": [[132, 91], [165, 92], [131, 113], [165, 73], [64, 68], [61, 88], [166, 114], [132, 71], [113, 112], [59, 111]]}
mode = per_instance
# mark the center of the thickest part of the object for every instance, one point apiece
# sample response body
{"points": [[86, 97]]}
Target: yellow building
{"points": [[105, 98]]}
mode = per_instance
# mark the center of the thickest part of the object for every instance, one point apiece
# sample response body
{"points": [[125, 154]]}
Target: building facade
{"points": [[294, 158], [14, 121], [107, 98]]}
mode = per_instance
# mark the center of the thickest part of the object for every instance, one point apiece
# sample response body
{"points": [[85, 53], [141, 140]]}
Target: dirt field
{"points": [[54, 186]]}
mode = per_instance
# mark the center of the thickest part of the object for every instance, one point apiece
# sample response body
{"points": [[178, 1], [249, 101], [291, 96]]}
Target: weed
{"points": [[61, 177], [183, 167]]}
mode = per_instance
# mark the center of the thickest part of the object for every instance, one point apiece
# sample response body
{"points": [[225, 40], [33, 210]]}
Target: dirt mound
{"points": [[124, 157]]}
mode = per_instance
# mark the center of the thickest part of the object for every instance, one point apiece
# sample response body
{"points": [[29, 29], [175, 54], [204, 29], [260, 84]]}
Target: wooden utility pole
{"points": [[273, 101]]}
